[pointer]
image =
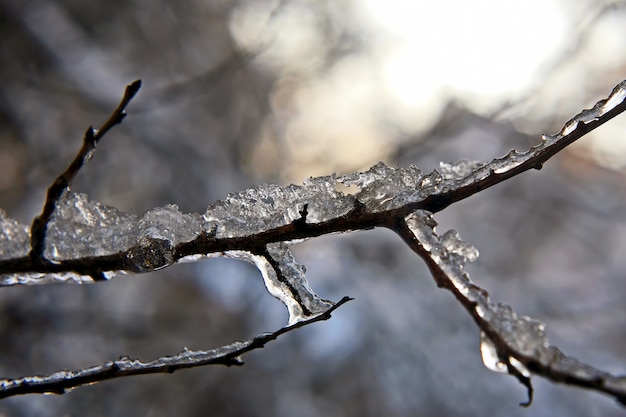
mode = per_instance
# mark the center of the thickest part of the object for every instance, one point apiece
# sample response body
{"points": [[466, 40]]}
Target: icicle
{"points": [[285, 280]]}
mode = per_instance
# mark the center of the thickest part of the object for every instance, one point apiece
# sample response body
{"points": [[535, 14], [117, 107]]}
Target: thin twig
{"points": [[64, 181], [64, 381]]}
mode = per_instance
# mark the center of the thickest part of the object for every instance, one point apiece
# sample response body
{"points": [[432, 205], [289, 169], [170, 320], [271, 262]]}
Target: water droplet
{"points": [[489, 354]]}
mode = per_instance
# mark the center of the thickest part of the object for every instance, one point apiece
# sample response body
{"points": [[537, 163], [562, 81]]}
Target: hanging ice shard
{"points": [[454, 245], [284, 279], [289, 280], [80, 228], [489, 354]]}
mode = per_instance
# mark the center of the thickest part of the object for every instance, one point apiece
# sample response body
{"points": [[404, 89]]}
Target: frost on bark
{"points": [[76, 240]]}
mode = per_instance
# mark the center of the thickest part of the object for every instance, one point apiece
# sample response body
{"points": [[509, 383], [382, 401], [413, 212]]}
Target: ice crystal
{"points": [[83, 228], [384, 187], [459, 169], [453, 244], [270, 206], [168, 223], [14, 238], [450, 252]]}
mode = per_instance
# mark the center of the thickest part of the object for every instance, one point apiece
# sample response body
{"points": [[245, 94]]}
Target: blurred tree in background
{"points": [[238, 93]]}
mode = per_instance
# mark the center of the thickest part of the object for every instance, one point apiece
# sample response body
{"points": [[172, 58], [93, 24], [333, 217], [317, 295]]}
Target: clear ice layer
{"points": [[270, 206], [83, 228], [602, 107], [14, 238], [459, 169]]}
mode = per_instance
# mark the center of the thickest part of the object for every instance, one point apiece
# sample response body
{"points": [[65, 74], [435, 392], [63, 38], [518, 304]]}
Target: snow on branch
{"points": [[80, 241]]}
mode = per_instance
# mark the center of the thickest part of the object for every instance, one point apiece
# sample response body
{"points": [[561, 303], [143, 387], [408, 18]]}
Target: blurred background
{"points": [[238, 93]]}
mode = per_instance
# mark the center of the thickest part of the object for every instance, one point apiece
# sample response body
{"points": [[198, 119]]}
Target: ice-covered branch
{"points": [[511, 344], [78, 240], [64, 381], [85, 239]]}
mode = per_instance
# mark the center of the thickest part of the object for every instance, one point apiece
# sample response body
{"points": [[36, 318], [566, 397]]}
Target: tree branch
{"points": [[77, 240], [62, 382]]}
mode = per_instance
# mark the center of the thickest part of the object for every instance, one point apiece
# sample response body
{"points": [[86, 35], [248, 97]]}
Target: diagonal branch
{"points": [[511, 344]]}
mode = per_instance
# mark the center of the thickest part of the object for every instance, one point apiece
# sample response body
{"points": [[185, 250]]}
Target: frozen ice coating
{"points": [[449, 250], [364, 179], [617, 97], [37, 278], [459, 169], [512, 160], [290, 276], [65, 381], [450, 253], [269, 206], [384, 187], [527, 336], [81, 228], [602, 107], [168, 223], [285, 280], [14, 238], [453, 243]]}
